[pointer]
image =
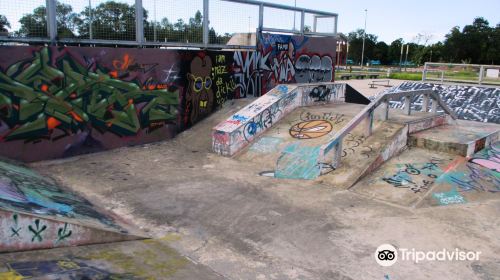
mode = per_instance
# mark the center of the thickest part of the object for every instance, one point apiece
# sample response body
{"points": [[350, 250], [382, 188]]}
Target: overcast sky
{"points": [[388, 19]]}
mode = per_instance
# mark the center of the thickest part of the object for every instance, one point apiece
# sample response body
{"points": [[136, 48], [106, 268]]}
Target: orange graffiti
{"points": [[76, 116], [123, 65], [44, 88], [113, 74], [52, 123]]}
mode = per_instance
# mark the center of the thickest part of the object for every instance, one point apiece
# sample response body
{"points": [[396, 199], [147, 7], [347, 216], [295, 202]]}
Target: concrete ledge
{"points": [[235, 133], [454, 140]]}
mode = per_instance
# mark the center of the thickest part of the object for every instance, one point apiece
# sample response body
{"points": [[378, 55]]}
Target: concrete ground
{"points": [[227, 222], [364, 87]]}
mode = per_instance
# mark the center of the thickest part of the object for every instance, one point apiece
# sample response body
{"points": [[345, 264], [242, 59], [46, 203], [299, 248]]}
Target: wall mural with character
{"points": [[62, 101]]}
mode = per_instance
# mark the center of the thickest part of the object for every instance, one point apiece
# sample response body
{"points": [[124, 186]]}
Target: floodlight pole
{"points": [[401, 56], [406, 59], [364, 37]]}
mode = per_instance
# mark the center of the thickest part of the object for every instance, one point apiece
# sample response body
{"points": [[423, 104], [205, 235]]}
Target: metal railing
{"points": [[464, 73], [366, 116], [168, 23]]}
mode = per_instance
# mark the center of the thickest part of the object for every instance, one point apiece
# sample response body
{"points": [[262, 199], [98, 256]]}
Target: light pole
{"points": [[364, 37], [401, 56], [346, 55], [406, 59]]}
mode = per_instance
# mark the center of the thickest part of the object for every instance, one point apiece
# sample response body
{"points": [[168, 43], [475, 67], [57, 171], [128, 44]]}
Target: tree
{"points": [[4, 23], [395, 51], [355, 39], [381, 52], [35, 24], [110, 21]]}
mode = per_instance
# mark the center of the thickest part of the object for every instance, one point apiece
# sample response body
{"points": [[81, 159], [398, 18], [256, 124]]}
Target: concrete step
{"points": [[37, 213], [463, 138]]}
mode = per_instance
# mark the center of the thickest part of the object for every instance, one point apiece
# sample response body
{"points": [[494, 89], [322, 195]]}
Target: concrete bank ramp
{"points": [[36, 213], [440, 174], [289, 149]]}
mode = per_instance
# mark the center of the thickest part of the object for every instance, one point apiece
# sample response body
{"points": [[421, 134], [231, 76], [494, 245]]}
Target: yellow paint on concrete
{"points": [[10, 275], [158, 259]]}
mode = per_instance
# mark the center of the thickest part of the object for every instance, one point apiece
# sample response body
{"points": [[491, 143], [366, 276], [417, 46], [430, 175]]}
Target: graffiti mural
{"points": [[474, 103], [488, 158], [298, 162], [450, 197], [474, 178], [296, 59], [283, 59], [354, 143], [310, 129], [28, 192], [249, 69], [63, 101], [200, 95], [417, 177]]}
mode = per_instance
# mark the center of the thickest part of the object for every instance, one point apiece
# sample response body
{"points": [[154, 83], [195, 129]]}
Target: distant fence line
{"points": [[469, 73], [147, 23]]}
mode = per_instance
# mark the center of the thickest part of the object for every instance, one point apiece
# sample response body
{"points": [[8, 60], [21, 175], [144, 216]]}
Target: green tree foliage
{"points": [[114, 21], [355, 39], [35, 24], [476, 43], [4, 23]]}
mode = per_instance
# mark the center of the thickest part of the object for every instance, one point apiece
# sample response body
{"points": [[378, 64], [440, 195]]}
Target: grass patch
{"points": [[406, 76]]}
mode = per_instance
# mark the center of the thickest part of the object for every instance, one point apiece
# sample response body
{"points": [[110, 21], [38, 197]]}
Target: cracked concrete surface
{"points": [[245, 226]]}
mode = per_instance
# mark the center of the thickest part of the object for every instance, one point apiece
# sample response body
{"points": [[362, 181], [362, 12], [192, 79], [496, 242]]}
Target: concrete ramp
{"points": [[37, 213], [472, 179], [438, 175]]}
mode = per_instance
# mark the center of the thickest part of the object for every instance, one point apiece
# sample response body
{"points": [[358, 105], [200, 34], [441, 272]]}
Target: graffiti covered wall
{"points": [[475, 103], [282, 59], [62, 101]]}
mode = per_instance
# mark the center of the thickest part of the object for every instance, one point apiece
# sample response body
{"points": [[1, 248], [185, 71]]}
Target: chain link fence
{"points": [[189, 23], [23, 18]]}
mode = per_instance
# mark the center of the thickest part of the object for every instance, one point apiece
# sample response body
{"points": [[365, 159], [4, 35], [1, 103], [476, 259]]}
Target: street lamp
{"points": [[401, 56], [364, 37]]}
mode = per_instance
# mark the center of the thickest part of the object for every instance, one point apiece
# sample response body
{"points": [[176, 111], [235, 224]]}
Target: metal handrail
{"points": [[367, 115]]}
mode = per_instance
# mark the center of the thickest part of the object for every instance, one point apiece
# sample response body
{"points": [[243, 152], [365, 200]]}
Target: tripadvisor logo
{"points": [[387, 255]]}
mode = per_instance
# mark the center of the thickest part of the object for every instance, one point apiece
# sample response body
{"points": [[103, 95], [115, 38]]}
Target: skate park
{"points": [[249, 164]]}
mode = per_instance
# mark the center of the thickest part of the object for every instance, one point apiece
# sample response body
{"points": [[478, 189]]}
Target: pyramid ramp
{"points": [[37, 213]]}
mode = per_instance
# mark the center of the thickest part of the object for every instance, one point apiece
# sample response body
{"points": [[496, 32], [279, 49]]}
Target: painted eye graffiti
{"points": [[208, 82], [198, 84]]}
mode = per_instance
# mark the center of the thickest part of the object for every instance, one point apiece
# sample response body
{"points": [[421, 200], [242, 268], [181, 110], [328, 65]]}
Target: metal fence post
{"points": [[481, 74], [51, 20], [139, 23], [91, 36], [336, 24], [261, 17], [407, 102], [315, 23], [425, 103], [205, 22], [424, 73], [302, 18], [386, 107]]}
